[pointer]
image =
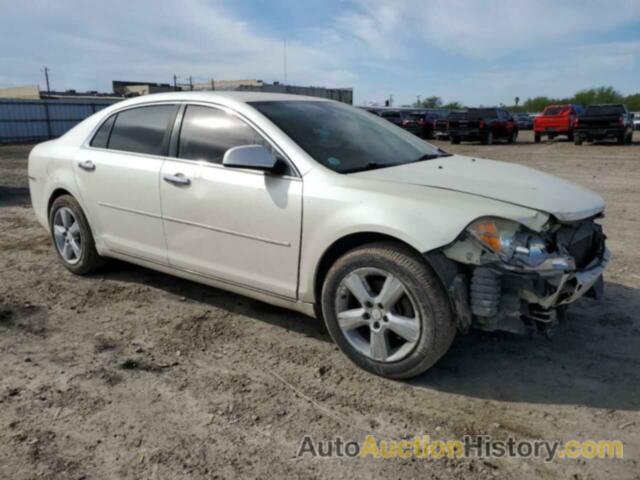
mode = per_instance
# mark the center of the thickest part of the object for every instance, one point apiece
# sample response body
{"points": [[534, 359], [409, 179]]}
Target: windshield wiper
{"points": [[432, 156], [368, 166]]}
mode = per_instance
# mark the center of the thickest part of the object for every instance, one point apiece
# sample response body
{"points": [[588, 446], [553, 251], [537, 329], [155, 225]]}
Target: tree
{"points": [[598, 95], [633, 102], [517, 100], [453, 106], [429, 102]]}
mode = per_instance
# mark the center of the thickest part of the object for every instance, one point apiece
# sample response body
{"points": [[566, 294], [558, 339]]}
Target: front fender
{"points": [[424, 218]]}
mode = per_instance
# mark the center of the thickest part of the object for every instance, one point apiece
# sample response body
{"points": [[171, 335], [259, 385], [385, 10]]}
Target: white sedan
{"points": [[322, 208]]}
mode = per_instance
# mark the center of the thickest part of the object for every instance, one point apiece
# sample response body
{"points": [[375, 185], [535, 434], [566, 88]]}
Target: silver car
{"points": [[325, 209]]}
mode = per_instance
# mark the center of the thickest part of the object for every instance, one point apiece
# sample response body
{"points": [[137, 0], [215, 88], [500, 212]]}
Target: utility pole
{"points": [[46, 76], [418, 104], [285, 62], [190, 83], [213, 85], [175, 82]]}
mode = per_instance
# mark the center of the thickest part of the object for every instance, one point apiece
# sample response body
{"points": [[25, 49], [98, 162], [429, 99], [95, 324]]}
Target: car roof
{"points": [[223, 98]]}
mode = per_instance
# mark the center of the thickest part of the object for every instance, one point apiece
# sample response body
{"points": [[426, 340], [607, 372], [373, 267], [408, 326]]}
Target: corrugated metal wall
{"points": [[34, 120]]}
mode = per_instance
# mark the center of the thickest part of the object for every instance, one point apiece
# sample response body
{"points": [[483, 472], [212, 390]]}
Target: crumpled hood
{"points": [[497, 180]]}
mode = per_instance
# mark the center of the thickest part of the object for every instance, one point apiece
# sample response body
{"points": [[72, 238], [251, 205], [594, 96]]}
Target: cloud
{"points": [[151, 41], [476, 52], [483, 30]]}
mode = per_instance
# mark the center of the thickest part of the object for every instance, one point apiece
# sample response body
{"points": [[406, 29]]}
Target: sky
{"points": [[476, 52]]}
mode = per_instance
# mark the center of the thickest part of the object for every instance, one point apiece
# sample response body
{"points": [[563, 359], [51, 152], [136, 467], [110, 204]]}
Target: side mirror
{"points": [[256, 157]]}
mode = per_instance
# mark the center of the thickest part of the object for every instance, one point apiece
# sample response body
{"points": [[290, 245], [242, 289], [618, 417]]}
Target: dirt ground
{"points": [[136, 374]]}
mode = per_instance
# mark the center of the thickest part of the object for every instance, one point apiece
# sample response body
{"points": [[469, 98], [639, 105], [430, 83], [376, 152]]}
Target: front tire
{"points": [[72, 237], [387, 310], [577, 139], [455, 140]]}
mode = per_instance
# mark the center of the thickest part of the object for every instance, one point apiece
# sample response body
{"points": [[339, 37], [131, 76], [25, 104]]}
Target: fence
{"points": [[37, 120]]}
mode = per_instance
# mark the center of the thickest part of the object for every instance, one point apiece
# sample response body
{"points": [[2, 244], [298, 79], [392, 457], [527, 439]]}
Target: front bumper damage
{"points": [[531, 290]]}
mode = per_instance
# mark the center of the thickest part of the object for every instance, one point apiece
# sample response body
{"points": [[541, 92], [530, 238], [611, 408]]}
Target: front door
{"points": [[235, 225]]}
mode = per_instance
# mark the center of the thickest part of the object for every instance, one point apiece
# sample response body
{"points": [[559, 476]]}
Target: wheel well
{"points": [[56, 193], [342, 246]]}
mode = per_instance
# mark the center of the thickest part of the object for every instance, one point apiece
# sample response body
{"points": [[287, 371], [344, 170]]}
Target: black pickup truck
{"points": [[600, 122], [483, 124]]}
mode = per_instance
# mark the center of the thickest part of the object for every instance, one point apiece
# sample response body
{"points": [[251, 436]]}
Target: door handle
{"points": [[177, 179], [87, 165]]}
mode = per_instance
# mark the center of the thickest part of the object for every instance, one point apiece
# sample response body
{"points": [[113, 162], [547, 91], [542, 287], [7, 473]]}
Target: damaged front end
{"points": [[509, 277]]}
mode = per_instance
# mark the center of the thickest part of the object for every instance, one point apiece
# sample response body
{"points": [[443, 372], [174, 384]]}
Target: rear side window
{"points": [[101, 138], [207, 133], [142, 130]]}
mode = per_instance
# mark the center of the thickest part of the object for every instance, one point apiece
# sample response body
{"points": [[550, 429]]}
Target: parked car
{"points": [[374, 110], [636, 120], [524, 121], [399, 244], [410, 120], [603, 122], [430, 117], [440, 125], [556, 120], [482, 124]]}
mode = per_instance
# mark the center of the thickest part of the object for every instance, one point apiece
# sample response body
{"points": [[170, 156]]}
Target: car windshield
{"points": [[604, 110], [549, 111], [345, 139], [474, 114]]}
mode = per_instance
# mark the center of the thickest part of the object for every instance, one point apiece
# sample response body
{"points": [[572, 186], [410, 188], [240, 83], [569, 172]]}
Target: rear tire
{"points": [[72, 237], [577, 139], [455, 140], [513, 137], [537, 137], [488, 139], [428, 306], [570, 136]]}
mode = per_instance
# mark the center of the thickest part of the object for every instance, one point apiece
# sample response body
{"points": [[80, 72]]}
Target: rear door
{"points": [[234, 225], [118, 176]]}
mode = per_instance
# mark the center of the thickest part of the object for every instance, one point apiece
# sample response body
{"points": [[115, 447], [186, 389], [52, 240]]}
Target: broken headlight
{"points": [[506, 238]]}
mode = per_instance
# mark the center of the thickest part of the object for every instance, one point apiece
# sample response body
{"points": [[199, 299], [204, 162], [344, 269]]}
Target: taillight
{"points": [[421, 121], [621, 120], [576, 122], [481, 123], [448, 124]]}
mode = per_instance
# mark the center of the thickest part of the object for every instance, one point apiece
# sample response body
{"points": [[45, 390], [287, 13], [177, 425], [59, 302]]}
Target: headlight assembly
{"points": [[496, 234]]}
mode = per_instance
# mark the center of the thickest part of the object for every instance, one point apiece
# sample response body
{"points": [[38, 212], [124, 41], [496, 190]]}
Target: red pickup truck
{"points": [[556, 120]]}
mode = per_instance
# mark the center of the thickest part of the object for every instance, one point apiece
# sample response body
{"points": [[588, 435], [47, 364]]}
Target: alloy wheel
{"points": [[67, 235], [377, 315]]}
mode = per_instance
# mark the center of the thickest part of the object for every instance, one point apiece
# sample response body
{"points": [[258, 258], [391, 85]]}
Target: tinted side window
{"points": [[101, 138], [142, 130], [207, 133]]}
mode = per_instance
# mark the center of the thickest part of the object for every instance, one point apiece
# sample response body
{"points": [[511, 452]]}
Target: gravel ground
{"points": [[136, 374]]}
